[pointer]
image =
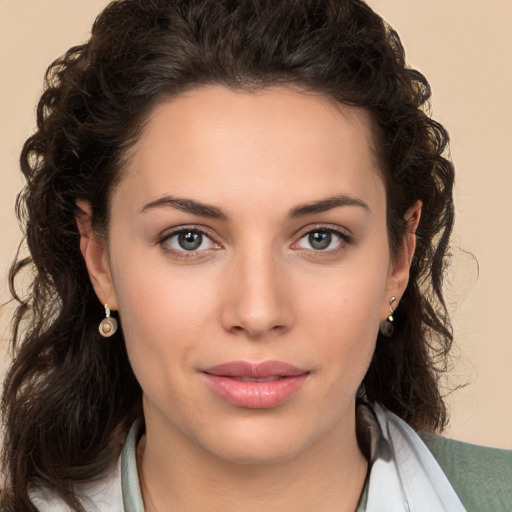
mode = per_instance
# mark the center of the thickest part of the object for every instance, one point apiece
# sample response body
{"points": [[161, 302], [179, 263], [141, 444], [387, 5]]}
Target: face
{"points": [[249, 261]]}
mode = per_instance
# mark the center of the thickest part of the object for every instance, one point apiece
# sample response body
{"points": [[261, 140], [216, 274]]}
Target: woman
{"points": [[238, 215]]}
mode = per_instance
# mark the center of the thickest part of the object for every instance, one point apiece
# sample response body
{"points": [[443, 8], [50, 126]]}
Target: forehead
{"points": [[213, 141]]}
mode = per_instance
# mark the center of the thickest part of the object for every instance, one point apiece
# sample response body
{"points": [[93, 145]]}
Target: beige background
{"points": [[465, 49]]}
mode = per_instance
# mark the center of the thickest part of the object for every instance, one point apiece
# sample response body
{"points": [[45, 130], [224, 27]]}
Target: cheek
{"points": [[348, 300], [343, 315], [161, 330], [162, 314], [155, 296]]}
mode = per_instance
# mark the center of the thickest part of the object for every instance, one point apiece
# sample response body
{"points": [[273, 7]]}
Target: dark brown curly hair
{"points": [[69, 397]]}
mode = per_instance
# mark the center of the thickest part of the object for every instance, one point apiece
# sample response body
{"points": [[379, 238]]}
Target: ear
{"points": [[94, 251], [398, 275]]}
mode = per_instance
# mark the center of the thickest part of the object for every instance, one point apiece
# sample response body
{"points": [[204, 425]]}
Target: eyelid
{"points": [[166, 235], [343, 233], [333, 228]]}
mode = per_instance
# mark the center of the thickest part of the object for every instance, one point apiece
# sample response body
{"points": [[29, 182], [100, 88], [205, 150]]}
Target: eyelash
{"points": [[163, 241], [343, 237]]}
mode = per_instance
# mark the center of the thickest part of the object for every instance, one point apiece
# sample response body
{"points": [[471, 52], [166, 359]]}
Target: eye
{"points": [[323, 240], [188, 240]]}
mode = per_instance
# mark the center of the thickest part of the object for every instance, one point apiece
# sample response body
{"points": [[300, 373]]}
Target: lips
{"points": [[255, 385]]}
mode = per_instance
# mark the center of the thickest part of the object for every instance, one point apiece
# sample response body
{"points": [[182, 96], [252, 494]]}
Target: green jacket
{"points": [[481, 476]]}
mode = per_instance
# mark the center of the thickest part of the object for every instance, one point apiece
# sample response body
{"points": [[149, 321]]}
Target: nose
{"points": [[257, 302]]}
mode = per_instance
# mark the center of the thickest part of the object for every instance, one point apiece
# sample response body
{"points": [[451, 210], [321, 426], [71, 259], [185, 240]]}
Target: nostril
{"points": [[253, 331]]}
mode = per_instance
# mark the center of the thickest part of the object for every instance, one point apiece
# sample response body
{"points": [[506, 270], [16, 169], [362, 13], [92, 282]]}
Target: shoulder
{"points": [[481, 476]]}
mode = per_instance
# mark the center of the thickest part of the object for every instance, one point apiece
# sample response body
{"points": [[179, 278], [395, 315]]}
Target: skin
{"points": [[256, 290]]}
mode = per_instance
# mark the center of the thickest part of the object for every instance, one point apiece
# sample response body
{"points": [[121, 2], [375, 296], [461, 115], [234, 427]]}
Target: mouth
{"points": [[256, 379], [255, 385]]}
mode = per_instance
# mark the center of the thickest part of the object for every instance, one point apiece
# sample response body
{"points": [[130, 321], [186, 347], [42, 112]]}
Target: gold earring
{"points": [[108, 326], [386, 327]]}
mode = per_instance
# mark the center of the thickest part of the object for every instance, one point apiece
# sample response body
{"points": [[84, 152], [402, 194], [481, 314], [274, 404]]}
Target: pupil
{"points": [[190, 240], [320, 239]]}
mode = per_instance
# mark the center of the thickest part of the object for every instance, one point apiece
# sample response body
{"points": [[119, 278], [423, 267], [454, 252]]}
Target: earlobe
{"points": [[94, 251]]}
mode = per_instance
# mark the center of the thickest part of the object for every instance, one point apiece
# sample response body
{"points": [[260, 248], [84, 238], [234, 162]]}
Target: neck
{"points": [[183, 477]]}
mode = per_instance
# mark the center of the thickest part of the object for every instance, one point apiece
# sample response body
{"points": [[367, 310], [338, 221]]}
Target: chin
{"points": [[260, 443], [256, 454]]}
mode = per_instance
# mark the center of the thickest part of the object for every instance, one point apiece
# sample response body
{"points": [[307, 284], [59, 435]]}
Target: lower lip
{"points": [[255, 395]]}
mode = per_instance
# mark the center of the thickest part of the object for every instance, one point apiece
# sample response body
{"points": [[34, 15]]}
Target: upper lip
{"points": [[256, 370]]}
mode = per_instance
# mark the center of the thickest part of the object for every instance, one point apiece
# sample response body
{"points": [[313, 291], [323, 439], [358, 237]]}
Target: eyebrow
{"points": [[327, 204], [188, 206], [213, 212]]}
